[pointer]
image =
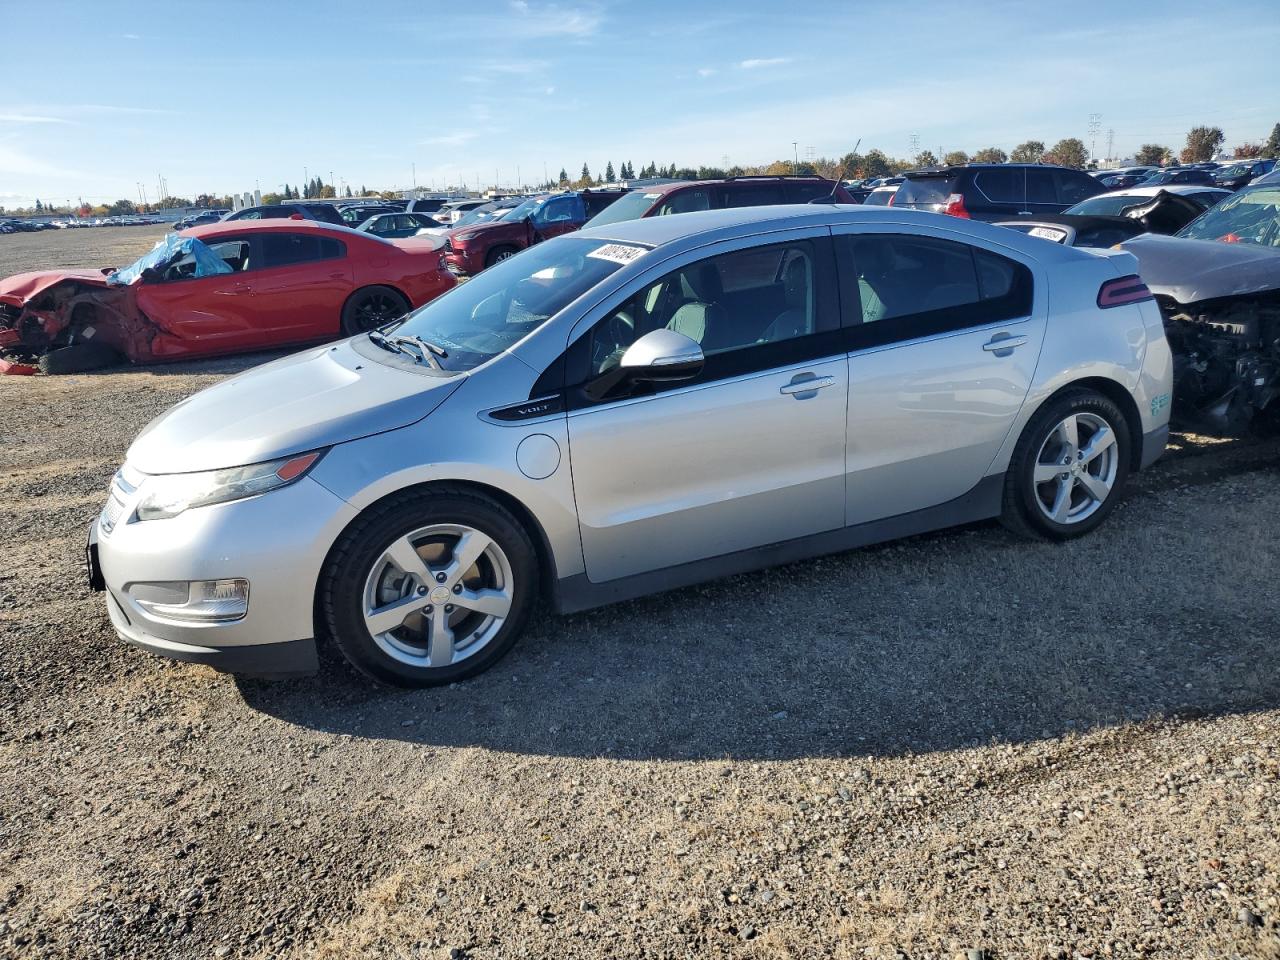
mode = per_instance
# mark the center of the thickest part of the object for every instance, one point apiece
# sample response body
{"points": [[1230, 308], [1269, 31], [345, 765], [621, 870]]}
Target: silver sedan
{"points": [[625, 410]]}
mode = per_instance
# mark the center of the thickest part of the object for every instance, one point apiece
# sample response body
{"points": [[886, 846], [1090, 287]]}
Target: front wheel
{"points": [[1068, 469], [429, 588], [498, 254], [371, 307]]}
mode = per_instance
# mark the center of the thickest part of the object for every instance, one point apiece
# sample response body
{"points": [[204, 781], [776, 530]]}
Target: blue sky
{"points": [[223, 96]]}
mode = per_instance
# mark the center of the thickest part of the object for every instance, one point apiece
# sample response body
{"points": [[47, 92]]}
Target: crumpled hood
{"points": [[21, 287], [312, 399], [1193, 270]]}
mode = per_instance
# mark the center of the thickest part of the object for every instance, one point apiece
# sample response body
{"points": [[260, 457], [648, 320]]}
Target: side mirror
{"points": [[662, 356]]}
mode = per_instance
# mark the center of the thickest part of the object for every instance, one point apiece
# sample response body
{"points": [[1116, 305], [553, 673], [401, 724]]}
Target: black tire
{"points": [[499, 253], [371, 307], [1022, 512], [358, 552], [78, 358]]}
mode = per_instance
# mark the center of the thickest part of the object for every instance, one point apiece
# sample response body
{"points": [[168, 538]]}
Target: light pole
{"points": [[795, 150]]}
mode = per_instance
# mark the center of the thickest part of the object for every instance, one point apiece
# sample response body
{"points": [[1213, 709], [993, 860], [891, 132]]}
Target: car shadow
{"points": [[944, 641]]}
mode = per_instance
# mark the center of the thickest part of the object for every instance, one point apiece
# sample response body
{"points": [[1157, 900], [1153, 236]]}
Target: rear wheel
{"points": [[498, 254], [430, 588], [371, 307], [1069, 468]]}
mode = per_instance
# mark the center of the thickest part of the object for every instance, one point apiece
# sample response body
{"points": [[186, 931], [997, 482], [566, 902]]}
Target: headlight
{"points": [[167, 495]]}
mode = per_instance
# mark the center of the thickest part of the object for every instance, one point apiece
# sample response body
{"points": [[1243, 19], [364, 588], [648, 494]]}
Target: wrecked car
{"points": [[1217, 282], [219, 289], [1111, 218]]}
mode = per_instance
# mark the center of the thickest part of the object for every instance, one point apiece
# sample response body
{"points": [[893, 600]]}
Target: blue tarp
{"points": [[167, 252]]}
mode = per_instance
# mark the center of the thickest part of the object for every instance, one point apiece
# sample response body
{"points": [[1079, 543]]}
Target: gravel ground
{"points": [[960, 745]]}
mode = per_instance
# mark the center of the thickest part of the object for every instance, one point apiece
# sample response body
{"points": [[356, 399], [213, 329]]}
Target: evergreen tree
{"points": [[609, 175], [39, 205], [564, 177], [1272, 147], [586, 172]]}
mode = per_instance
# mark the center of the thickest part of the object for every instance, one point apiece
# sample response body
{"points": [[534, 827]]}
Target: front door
{"points": [[748, 453], [945, 340]]}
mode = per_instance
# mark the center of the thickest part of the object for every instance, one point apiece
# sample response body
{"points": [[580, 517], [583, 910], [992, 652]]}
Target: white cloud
{"points": [[553, 21], [706, 71], [132, 36], [764, 62], [28, 118], [456, 139]]}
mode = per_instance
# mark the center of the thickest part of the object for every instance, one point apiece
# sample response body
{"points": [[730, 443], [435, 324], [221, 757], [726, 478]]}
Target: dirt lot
{"points": [[957, 743], [85, 247]]}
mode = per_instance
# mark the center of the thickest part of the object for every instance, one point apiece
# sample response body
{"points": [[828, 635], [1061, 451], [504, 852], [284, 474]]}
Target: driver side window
{"points": [[728, 304]]}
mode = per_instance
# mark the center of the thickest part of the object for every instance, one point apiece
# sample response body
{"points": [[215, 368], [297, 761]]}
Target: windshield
{"points": [[1107, 206], [182, 256], [479, 215], [526, 209], [1251, 216], [498, 308], [631, 207]]}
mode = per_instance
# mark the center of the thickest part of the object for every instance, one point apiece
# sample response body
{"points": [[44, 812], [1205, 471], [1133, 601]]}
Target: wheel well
{"points": [[1121, 397], [358, 290], [541, 546]]}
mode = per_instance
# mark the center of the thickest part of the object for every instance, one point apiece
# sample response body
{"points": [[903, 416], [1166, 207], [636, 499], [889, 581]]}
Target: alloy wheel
{"points": [[376, 309], [438, 595], [1076, 468]]}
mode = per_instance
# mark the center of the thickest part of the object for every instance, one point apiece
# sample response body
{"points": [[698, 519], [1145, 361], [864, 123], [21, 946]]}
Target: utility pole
{"points": [[915, 145], [795, 167], [1095, 124], [1111, 144]]}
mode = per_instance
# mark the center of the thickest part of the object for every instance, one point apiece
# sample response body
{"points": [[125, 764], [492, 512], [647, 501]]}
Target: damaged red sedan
{"points": [[219, 289]]}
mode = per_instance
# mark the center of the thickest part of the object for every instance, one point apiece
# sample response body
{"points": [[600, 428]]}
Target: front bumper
{"points": [[277, 541], [464, 261]]}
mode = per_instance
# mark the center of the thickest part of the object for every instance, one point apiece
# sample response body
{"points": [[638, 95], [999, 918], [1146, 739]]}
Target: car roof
{"points": [[690, 230], [1179, 188], [282, 224], [960, 168]]}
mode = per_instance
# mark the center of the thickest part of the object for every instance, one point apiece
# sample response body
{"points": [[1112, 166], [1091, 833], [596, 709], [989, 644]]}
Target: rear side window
{"points": [[686, 201], [595, 202], [921, 190], [1001, 186], [284, 249], [804, 191], [752, 194], [909, 287]]}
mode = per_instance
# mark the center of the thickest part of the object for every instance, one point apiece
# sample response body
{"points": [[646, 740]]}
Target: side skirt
{"points": [[981, 503]]}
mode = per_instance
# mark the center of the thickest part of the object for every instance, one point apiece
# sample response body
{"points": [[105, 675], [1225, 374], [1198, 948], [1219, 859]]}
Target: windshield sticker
{"points": [[618, 253]]}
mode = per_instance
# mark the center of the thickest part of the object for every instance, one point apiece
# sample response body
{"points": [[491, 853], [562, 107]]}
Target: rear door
{"points": [[300, 287], [1042, 191], [996, 192], [944, 338]]}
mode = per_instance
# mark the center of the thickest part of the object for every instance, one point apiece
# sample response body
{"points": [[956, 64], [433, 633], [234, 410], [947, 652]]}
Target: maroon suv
{"points": [[470, 249], [689, 196]]}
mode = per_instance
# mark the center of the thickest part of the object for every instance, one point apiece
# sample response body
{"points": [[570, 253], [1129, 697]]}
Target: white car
{"points": [[1117, 201], [881, 197]]}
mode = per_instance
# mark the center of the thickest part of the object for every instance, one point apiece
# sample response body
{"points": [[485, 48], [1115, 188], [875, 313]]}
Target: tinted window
{"points": [[1041, 187], [752, 194], [1074, 187], [283, 249], [686, 201], [1001, 186], [911, 286], [749, 298], [595, 202], [804, 191]]}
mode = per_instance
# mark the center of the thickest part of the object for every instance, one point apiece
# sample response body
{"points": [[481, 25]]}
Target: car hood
{"points": [[1194, 270], [487, 229], [312, 399], [22, 287]]}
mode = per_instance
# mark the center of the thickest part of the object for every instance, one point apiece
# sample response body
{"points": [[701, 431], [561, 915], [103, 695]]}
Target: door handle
{"points": [[805, 385], [1002, 344]]}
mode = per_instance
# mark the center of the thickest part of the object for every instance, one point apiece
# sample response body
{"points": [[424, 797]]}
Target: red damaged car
{"points": [[224, 288]]}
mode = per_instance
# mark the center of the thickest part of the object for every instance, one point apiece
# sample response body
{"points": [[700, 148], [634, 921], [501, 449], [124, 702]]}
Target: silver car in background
{"points": [[625, 410]]}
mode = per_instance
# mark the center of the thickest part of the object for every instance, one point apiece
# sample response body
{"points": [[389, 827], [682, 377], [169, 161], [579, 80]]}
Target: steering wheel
{"points": [[611, 340]]}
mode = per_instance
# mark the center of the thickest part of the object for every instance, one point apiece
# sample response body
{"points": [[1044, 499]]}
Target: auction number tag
{"points": [[618, 253]]}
